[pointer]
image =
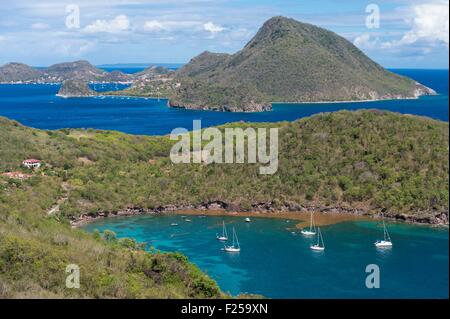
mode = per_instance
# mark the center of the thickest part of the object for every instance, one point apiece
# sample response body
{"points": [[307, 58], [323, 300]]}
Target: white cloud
{"points": [[154, 25], [73, 48], [39, 26], [186, 27], [213, 28], [171, 25], [366, 41], [429, 24], [120, 23]]}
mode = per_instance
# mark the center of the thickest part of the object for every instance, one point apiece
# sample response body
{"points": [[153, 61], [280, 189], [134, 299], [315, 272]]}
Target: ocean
{"points": [[38, 107]]}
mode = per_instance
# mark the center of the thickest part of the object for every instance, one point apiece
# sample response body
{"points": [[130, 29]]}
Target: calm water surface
{"points": [[37, 106], [277, 263]]}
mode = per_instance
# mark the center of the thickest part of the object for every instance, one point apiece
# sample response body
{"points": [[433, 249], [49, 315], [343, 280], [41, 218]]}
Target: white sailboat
{"points": [[224, 236], [312, 228], [320, 246], [247, 220], [386, 242], [235, 248]]}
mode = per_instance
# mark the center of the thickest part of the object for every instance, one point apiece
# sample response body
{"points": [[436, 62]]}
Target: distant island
{"points": [[78, 70], [286, 61], [75, 88]]}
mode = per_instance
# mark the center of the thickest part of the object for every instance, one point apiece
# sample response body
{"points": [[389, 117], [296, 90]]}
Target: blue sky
{"points": [[411, 33]]}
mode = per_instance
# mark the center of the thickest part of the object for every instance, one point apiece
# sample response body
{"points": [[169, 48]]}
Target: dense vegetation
{"points": [[35, 248], [371, 160], [378, 159]]}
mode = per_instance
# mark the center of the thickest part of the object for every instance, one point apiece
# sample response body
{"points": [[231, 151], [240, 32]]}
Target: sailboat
{"points": [[312, 228], [386, 242], [320, 245], [224, 236], [235, 248]]}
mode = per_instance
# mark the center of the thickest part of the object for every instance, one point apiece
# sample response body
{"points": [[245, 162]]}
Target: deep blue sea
{"points": [[37, 106], [277, 263]]}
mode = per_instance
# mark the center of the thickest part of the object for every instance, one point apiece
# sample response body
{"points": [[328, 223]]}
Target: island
{"points": [[286, 61], [16, 73], [75, 88]]}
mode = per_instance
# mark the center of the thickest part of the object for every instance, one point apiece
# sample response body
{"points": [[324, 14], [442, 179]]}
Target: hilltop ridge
{"points": [[288, 61]]}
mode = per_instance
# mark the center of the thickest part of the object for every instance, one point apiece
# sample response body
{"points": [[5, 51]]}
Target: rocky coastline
{"points": [[433, 218]]}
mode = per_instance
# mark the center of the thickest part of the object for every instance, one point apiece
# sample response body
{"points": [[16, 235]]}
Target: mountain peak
{"points": [[289, 61], [276, 28], [279, 21]]}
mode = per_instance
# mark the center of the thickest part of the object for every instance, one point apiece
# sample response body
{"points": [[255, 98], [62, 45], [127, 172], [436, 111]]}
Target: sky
{"points": [[395, 33]]}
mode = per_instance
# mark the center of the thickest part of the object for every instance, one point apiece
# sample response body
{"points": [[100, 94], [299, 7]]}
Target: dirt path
{"points": [[55, 208]]}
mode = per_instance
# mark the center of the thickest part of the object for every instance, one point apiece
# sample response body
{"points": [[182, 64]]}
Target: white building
{"points": [[31, 163]]}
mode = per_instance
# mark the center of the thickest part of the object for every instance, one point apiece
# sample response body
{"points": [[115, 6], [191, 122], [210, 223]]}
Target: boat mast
{"points": [[321, 238], [224, 230], [235, 235], [386, 233]]}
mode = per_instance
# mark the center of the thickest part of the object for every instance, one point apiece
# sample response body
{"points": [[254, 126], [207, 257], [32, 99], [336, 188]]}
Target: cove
{"points": [[276, 262]]}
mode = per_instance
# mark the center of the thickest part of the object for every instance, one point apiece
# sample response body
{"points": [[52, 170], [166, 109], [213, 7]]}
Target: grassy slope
{"points": [[35, 249], [370, 159], [379, 159]]}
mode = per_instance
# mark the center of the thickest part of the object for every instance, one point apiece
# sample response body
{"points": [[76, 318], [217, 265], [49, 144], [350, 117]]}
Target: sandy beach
{"points": [[302, 218]]}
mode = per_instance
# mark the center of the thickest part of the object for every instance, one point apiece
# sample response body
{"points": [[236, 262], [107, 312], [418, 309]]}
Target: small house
{"points": [[31, 163]]}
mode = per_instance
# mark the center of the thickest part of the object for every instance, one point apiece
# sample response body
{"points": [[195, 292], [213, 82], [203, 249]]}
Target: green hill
{"points": [[357, 162], [287, 61], [35, 248]]}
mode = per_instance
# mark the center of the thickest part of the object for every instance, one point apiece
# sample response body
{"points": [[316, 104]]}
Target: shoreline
{"points": [[354, 101], [431, 92], [301, 218], [133, 96], [324, 215]]}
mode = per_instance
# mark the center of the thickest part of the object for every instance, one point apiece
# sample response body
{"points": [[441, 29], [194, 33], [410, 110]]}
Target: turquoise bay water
{"points": [[276, 263], [37, 106]]}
